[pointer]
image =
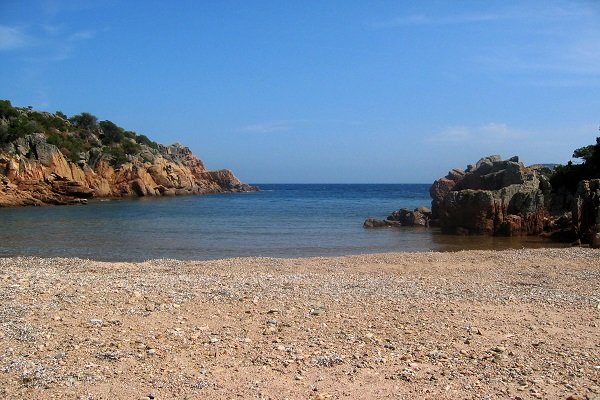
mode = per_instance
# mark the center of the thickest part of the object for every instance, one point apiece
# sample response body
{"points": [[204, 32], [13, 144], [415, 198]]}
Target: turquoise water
{"points": [[279, 221]]}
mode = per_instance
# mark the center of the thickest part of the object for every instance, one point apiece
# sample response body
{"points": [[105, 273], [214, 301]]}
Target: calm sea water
{"points": [[279, 221]]}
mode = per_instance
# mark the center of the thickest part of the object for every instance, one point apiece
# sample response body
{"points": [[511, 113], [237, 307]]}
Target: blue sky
{"points": [[318, 91]]}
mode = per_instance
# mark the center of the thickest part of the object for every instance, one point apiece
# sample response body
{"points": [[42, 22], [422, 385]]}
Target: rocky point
{"points": [[34, 171]]}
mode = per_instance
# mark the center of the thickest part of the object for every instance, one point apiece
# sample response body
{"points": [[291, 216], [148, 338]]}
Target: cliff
{"points": [[46, 158]]}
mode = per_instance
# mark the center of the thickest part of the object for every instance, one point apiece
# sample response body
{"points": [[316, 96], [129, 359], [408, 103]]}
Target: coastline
{"points": [[437, 325]]}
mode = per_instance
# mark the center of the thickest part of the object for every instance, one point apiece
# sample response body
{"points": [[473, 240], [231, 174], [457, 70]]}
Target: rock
{"points": [[586, 212], [72, 188], [379, 223], [493, 197], [35, 173], [423, 210], [596, 241], [408, 217]]}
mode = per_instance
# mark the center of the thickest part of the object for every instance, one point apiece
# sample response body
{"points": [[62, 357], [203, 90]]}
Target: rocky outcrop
{"points": [[492, 197], [35, 172], [586, 212], [420, 216]]}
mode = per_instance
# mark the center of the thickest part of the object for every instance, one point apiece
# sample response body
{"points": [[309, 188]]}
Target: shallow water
{"points": [[279, 221]]}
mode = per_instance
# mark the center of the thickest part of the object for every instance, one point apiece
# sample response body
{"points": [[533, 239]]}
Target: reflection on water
{"points": [[455, 242], [282, 221]]}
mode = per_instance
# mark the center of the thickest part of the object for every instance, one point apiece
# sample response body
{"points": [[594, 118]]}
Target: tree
{"points": [[7, 110], [85, 120], [111, 133], [568, 176]]}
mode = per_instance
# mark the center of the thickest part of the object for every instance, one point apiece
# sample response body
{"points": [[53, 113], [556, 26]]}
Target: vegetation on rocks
{"points": [[568, 176], [49, 158], [73, 136]]}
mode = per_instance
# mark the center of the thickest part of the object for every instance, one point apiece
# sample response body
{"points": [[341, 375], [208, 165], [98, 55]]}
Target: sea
{"points": [[299, 220]]}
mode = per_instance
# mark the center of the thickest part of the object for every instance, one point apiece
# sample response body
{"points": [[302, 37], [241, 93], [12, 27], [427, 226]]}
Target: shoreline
{"points": [[443, 244], [499, 323]]}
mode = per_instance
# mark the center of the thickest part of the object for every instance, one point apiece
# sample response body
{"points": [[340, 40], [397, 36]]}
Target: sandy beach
{"points": [[514, 324]]}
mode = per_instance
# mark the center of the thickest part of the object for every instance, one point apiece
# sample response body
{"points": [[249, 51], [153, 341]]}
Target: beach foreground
{"points": [[474, 324]]}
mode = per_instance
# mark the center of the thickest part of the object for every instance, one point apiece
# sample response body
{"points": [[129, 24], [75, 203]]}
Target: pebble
{"points": [[499, 349], [271, 330]]}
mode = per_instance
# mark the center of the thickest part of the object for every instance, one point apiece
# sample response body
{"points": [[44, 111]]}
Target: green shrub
{"points": [[84, 121], [130, 147], [568, 176], [143, 139], [69, 145], [118, 156], [111, 133]]}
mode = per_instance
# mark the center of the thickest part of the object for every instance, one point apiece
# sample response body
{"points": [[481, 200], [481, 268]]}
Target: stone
{"points": [[596, 241], [494, 197], [586, 212], [378, 223]]}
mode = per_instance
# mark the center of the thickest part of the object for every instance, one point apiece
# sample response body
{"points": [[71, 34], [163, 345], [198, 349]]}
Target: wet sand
{"points": [[469, 324]]}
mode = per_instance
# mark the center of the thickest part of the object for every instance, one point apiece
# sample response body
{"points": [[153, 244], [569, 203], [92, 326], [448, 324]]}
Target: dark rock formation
{"points": [[493, 197], [379, 223], [403, 217], [586, 212]]}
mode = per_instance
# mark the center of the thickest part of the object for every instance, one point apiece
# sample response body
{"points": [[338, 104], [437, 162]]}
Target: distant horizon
{"points": [[335, 91]]}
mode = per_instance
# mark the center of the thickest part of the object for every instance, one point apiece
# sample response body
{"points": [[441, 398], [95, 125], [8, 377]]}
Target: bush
{"points": [[111, 133], [117, 154], [568, 176], [85, 121], [143, 139], [18, 127], [69, 145], [130, 147], [7, 110]]}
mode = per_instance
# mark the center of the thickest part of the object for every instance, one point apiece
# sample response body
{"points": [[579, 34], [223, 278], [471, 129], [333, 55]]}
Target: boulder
{"points": [[442, 187], [417, 217], [586, 211], [379, 223], [493, 197], [403, 217], [71, 188]]}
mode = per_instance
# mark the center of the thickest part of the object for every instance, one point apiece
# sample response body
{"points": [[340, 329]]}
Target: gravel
{"points": [[464, 325]]}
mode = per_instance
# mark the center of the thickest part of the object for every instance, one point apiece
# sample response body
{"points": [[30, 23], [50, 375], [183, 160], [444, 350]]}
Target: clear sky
{"points": [[318, 91]]}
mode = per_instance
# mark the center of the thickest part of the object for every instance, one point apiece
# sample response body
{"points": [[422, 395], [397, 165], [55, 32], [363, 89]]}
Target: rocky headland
{"points": [[47, 158], [506, 198]]}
